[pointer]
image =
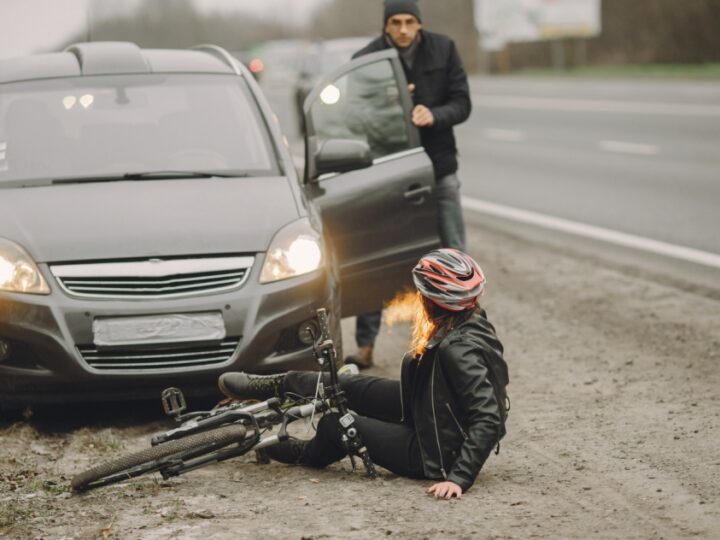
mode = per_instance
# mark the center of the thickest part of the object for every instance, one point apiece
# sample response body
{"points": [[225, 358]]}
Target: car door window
{"points": [[378, 219], [364, 104]]}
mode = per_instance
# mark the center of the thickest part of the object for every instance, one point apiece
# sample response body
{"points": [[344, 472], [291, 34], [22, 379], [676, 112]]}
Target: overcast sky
{"points": [[28, 26]]}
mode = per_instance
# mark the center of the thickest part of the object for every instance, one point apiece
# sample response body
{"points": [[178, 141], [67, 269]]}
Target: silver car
{"points": [[154, 230]]}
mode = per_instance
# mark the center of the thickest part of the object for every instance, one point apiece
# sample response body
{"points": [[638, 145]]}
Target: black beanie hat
{"points": [[393, 7]]}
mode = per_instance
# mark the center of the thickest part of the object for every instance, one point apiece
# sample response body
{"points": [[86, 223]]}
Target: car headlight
{"points": [[295, 250], [18, 272]]}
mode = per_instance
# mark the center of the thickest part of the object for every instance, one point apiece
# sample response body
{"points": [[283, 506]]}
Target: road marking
{"points": [[593, 105], [629, 148], [590, 231], [505, 135]]}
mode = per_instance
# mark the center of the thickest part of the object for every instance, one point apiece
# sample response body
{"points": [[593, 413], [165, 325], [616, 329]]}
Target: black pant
{"points": [[376, 402]]}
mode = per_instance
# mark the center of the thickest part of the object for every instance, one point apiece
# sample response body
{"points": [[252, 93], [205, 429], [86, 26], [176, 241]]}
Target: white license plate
{"points": [[158, 329]]}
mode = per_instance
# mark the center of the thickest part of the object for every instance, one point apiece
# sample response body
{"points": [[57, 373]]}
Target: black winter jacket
{"points": [[454, 396], [441, 85]]}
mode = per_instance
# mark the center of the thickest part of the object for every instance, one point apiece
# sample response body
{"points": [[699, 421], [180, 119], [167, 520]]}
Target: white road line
{"points": [[593, 105], [622, 147], [590, 231], [505, 135]]}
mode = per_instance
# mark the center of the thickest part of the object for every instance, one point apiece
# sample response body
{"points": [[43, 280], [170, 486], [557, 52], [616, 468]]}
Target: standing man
{"points": [[441, 96]]}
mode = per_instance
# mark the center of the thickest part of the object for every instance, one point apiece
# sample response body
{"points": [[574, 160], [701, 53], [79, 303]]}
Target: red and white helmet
{"points": [[449, 278]]}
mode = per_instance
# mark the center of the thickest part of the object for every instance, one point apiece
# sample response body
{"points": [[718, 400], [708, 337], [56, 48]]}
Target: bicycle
{"points": [[233, 428]]}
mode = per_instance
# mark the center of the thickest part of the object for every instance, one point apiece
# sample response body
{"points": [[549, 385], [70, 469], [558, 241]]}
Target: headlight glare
{"points": [[18, 272], [295, 250]]}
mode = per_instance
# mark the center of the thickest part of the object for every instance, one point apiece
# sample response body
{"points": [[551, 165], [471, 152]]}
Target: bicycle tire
{"points": [[132, 464]]}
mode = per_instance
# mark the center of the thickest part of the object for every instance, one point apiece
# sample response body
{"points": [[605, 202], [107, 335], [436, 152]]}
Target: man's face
{"points": [[402, 29]]}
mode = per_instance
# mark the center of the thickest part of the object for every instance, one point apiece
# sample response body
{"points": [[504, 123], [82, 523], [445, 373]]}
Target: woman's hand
{"points": [[445, 490]]}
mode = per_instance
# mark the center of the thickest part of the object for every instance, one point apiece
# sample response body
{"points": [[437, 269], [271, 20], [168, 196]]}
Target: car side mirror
{"points": [[342, 155]]}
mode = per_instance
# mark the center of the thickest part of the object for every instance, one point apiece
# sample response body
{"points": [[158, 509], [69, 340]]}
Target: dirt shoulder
{"points": [[614, 433]]}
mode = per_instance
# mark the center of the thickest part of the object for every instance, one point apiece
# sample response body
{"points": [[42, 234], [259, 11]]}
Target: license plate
{"points": [[158, 329]]}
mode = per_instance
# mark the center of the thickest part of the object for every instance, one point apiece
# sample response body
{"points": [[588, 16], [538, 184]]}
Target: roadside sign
{"points": [[506, 21]]}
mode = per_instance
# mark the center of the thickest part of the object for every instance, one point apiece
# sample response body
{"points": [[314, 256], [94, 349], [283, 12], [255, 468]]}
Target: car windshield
{"points": [[105, 126]]}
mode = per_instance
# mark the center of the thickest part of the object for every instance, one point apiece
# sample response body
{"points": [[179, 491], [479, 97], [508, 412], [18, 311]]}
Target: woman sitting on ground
{"points": [[447, 412]]}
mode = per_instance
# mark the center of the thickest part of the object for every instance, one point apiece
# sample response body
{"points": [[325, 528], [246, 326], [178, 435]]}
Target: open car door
{"points": [[368, 174]]}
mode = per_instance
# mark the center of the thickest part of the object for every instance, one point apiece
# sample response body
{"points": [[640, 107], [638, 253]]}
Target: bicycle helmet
{"points": [[449, 278]]}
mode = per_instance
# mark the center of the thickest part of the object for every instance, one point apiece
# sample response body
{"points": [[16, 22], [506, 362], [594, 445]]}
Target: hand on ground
{"points": [[445, 490]]}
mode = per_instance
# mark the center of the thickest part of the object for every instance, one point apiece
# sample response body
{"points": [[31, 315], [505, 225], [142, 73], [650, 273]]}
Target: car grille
{"points": [[153, 278], [150, 359]]}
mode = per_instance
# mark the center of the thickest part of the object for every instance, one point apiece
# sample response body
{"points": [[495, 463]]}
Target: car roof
{"points": [[113, 58]]}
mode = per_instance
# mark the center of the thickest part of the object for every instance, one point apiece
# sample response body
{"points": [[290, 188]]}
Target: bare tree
{"points": [[177, 24]]}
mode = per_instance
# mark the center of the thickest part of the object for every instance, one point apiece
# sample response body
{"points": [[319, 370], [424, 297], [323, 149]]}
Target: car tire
{"points": [[11, 413]]}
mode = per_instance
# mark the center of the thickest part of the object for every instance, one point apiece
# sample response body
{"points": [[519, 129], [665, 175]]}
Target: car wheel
{"points": [[11, 413]]}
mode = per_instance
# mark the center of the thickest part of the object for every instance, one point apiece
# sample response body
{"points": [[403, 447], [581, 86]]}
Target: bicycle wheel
{"points": [[152, 459]]}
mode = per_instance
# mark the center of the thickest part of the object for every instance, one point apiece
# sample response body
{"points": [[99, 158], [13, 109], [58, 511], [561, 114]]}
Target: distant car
{"points": [[277, 61], [320, 59], [154, 232]]}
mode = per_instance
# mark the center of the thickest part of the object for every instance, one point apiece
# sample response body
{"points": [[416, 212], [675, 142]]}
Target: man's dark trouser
{"points": [[376, 402], [452, 235]]}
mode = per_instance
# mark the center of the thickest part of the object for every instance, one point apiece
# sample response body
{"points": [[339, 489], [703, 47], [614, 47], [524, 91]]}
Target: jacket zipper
{"points": [[402, 404], [462, 431], [432, 403]]}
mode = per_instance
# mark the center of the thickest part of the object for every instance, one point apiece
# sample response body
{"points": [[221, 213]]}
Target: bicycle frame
{"points": [[253, 440], [267, 413]]}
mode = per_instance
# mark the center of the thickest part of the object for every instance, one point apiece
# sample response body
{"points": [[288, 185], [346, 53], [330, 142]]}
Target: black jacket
{"points": [[454, 396], [441, 85]]}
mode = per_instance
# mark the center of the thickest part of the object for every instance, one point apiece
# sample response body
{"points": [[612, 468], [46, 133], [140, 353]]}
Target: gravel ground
{"points": [[614, 433]]}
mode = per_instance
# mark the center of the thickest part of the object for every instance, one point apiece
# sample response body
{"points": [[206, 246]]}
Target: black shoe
{"points": [[241, 385], [363, 359], [291, 451]]}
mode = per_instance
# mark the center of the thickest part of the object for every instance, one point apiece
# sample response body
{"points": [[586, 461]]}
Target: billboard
{"points": [[506, 21]]}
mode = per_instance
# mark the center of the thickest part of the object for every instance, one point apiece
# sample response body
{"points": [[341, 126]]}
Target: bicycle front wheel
{"points": [[155, 458]]}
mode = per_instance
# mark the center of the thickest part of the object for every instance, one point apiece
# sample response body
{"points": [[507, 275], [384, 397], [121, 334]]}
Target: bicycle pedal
{"points": [[173, 401]]}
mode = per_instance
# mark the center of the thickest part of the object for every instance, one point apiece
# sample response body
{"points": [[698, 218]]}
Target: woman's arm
{"points": [[463, 365]]}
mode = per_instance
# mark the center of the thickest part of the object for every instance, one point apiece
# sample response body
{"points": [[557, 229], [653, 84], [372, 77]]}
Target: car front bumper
{"points": [[46, 335]]}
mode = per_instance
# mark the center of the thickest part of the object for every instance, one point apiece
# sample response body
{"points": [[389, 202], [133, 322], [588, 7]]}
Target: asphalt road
{"points": [[638, 157]]}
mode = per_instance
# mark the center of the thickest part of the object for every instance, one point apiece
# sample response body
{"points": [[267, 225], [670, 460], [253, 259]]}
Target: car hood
{"points": [[150, 218]]}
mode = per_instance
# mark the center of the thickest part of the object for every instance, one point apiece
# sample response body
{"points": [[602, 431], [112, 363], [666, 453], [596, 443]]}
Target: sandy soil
{"points": [[614, 433]]}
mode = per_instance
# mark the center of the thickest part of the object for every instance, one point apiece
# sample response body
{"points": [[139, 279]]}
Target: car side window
{"points": [[364, 104]]}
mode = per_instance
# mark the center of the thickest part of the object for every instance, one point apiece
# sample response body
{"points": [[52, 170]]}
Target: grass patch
{"points": [[710, 71], [12, 515], [104, 441], [48, 486]]}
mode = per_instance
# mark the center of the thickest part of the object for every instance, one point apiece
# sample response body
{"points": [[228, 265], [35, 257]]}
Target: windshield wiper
{"points": [[150, 175]]}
